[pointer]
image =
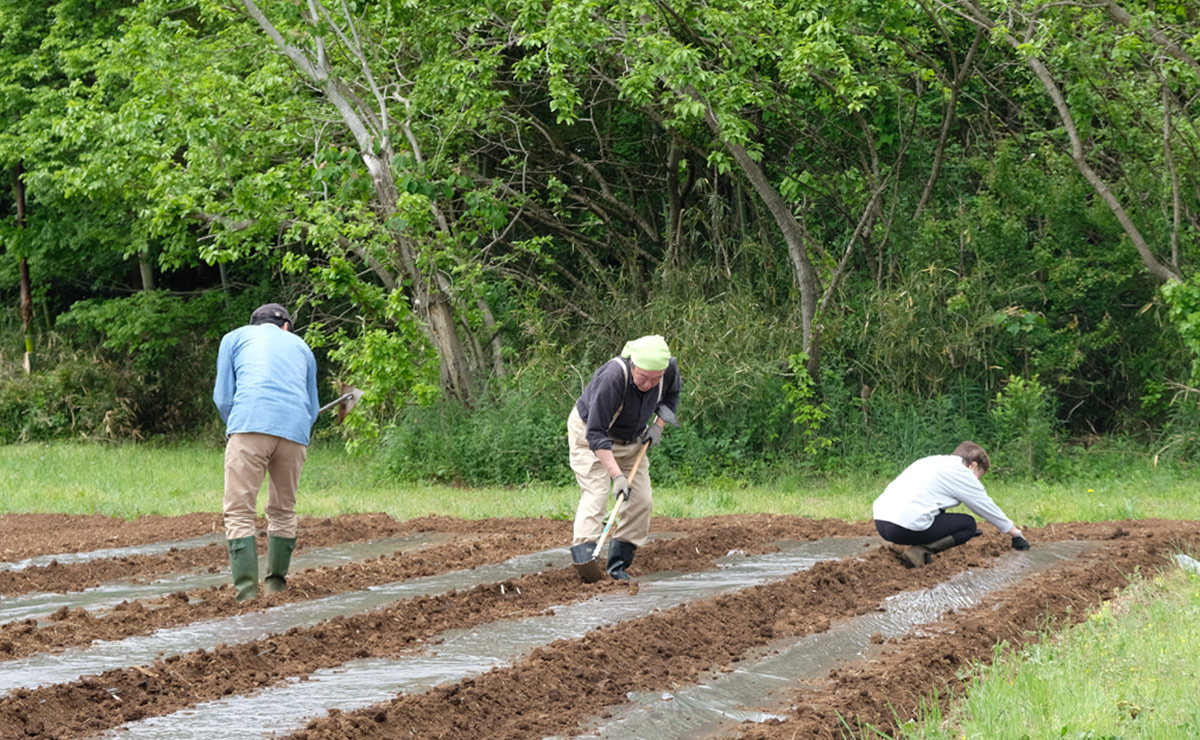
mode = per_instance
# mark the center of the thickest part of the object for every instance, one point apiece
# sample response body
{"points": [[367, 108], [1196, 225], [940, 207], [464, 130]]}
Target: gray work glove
{"points": [[621, 487], [653, 434], [1020, 543]]}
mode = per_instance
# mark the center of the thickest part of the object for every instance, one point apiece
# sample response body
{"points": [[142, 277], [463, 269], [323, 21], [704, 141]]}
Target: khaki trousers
{"points": [[633, 524], [249, 458]]}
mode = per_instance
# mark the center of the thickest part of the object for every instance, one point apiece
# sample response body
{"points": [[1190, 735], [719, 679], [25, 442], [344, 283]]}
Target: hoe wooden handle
{"points": [[620, 499]]}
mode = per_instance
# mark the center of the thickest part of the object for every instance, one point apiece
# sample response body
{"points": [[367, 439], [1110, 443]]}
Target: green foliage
{"points": [[1024, 426], [517, 435], [1179, 438], [80, 396], [150, 327], [799, 397], [126, 368], [562, 176], [396, 368], [882, 432], [733, 376], [1183, 298]]}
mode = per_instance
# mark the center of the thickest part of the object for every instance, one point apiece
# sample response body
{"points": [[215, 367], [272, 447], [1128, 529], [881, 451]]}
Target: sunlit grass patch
{"points": [[1130, 670], [135, 479]]}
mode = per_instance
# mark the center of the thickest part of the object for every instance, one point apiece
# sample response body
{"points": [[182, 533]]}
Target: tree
{"points": [[343, 57], [1035, 35]]}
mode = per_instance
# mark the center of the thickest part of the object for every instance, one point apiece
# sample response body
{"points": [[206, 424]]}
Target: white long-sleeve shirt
{"points": [[930, 485]]}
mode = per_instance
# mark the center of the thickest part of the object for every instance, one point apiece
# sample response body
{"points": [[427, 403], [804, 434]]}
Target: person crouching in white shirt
{"points": [[912, 509]]}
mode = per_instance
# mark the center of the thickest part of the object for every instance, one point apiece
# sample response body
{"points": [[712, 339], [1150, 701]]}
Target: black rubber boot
{"points": [[279, 558], [243, 564], [620, 557]]}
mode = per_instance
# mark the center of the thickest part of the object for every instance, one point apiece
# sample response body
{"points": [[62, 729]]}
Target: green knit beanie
{"points": [[649, 352]]}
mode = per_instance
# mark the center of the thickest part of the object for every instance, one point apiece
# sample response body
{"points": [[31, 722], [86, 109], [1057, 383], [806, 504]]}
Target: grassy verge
{"points": [[133, 480], [1129, 671]]}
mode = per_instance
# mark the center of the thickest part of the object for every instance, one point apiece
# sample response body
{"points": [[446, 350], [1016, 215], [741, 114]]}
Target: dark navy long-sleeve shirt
{"points": [[610, 389]]}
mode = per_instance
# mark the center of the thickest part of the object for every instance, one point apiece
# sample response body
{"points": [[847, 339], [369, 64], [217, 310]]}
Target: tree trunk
{"points": [[431, 295], [456, 371], [23, 268], [489, 323], [146, 267], [793, 236]]}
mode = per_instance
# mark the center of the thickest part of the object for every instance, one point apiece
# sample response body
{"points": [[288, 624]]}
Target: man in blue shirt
{"points": [[266, 393]]}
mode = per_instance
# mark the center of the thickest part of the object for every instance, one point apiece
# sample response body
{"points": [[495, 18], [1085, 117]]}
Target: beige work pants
{"points": [[633, 522], [249, 458]]}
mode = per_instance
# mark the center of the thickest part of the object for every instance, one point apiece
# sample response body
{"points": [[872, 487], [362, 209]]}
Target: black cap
{"points": [[271, 313]]}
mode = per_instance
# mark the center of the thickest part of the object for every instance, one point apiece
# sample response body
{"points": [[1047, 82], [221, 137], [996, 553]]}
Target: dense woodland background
{"points": [[867, 228]]}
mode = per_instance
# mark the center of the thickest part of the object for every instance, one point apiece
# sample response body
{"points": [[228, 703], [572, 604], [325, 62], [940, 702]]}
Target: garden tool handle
{"points": [[334, 402], [617, 507]]}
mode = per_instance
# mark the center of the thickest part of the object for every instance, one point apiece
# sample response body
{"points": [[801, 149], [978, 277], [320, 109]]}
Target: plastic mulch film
{"points": [[465, 653], [107, 595]]}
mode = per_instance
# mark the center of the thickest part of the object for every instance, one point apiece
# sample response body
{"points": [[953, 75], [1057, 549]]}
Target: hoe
{"points": [[345, 402], [587, 564]]}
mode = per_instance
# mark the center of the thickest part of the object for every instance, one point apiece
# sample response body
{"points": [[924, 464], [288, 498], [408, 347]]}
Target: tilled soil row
{"points": [[79, 627], [94, 704], [63, 578], [97, 703], [890, 688], [566, 683], [27, 535], [559, 687], [313, 532]]}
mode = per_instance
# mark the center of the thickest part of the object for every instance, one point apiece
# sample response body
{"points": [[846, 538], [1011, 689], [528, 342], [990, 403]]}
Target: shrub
{"points": [[517, 434], [1024, 427]]}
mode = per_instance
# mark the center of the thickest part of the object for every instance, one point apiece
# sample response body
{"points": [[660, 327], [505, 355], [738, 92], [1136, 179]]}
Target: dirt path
{"points": [[557, 687]]}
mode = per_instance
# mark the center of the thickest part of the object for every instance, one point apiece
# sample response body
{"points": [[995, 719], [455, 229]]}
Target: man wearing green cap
{"points": [[607, 427]]}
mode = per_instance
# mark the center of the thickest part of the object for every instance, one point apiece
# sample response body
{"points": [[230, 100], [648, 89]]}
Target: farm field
{"points": [[740, 626]]}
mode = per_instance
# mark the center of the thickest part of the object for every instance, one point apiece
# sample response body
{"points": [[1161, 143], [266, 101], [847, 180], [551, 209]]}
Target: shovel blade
{"points": [[586, 564], [590, 572], [350, 398]]}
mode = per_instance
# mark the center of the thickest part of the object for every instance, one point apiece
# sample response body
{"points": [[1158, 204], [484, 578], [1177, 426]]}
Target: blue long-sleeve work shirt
{"points": [[266, 383]]}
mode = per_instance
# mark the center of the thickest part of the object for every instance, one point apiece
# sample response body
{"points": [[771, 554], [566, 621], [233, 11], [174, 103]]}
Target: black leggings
{"points": [[961, 527]]}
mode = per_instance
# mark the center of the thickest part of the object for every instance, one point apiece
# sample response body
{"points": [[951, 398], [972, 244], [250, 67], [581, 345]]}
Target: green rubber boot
{"points": [[243, 563], [918, 556], [279, 557], [944, 543]]}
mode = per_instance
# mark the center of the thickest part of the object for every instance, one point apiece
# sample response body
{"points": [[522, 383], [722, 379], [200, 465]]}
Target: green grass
{"points": [[1128, 671], [132, 480]]}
